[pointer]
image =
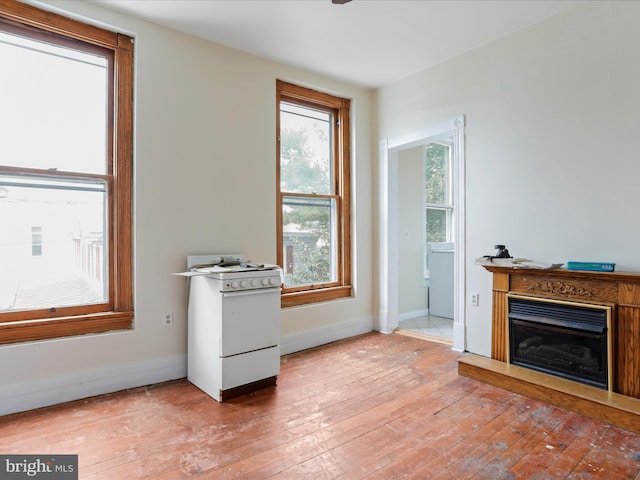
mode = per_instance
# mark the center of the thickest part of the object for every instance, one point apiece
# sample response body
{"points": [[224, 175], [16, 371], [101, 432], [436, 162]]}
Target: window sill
{"points": [[315, 296], [32, 330]]}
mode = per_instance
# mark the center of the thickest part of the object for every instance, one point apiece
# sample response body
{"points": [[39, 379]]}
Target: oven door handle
{"points": [[257, 291]]}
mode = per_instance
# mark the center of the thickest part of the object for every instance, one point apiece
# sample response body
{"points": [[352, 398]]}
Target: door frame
{"points": [[388, 315]]}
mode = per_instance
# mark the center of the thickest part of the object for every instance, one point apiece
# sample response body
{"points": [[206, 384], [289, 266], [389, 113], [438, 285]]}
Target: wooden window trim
{"points": [[117, 313], [342, 192]]}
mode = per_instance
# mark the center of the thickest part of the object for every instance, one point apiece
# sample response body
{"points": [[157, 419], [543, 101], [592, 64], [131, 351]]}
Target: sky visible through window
{"points": [[54, 103]]}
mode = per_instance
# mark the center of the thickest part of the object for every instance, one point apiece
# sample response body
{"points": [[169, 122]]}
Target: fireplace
{"points": [[617, 293], [566, 339]]}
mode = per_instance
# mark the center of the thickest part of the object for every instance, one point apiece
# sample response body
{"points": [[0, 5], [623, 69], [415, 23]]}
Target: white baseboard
{"points": [[459, 337], [50, 391], [313, 338], [414, 314]]}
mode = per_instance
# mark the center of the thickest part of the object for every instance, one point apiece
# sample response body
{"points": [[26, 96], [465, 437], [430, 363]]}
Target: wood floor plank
{"points": [[445, 428], [375, 410], [400, 427], [570, 441], [370, 407], [515, 460], [606, 456]]}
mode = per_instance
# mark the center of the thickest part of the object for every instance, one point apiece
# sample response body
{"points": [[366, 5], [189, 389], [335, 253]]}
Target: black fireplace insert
{"points": [[566, 339]]}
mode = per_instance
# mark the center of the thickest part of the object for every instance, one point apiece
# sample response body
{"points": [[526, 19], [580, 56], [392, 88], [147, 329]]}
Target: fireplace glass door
{"points": [[562, 339]]}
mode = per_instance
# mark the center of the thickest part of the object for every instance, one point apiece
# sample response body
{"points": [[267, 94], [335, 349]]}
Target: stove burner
{"points": [[231, 267], [228, 264]]}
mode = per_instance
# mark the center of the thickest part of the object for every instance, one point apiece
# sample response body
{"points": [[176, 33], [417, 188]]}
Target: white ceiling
{"points": [[369, 43]]}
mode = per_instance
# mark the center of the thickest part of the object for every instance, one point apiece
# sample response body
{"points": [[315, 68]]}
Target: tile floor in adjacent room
{"points": [[429, 325]]}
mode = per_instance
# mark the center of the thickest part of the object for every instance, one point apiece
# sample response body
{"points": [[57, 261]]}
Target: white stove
{"points": [[234, 324]]}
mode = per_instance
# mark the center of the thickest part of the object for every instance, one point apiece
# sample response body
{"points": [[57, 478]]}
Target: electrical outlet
{"points": [[168, 319], [475, 298]]}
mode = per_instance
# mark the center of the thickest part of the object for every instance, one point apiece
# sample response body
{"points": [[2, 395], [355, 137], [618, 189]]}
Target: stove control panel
{"points": [[250, 283]]}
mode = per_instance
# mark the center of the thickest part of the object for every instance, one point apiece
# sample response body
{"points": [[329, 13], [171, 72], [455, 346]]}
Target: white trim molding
{"points": [[459, 262], [39, 393], [313, 338], [388, 254]]}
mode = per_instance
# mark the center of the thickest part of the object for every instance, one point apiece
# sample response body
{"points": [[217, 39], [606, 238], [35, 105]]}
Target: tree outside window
{"points": [[438, 193]]}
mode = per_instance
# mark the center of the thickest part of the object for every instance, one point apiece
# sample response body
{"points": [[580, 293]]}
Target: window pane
{"points": [[309, 240], [437, 181], [36, 241], [54, 107], [436, 225], [305, 150], [52, 251]]}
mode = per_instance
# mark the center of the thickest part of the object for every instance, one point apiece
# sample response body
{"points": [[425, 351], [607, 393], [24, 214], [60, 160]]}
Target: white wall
{"points": [[413, 295], [204, 183], [551, 142]]}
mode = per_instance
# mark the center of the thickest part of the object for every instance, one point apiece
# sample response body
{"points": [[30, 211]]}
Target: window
{"points": [[438, 192], [36, 241], [313, 156], [439, 209], [66, 92]]}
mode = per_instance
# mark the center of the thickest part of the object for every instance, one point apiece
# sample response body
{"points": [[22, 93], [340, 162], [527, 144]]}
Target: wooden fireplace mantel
{"points": [[619, 290]]}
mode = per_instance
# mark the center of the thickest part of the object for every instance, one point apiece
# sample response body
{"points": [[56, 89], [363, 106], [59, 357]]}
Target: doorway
{"points": [[432, 226]]}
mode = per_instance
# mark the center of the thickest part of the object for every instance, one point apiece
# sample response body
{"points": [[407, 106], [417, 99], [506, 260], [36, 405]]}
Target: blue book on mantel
{"points": [[591, 266]]}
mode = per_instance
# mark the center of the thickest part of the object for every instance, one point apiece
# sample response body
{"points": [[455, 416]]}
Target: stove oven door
{"points": [[250, 321]]}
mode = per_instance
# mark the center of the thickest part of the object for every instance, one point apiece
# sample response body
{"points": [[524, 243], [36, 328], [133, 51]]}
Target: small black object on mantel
{"points": [[501, 252]]}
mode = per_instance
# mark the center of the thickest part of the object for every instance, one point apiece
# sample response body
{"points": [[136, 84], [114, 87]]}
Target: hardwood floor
{"points": [[374, 406]]}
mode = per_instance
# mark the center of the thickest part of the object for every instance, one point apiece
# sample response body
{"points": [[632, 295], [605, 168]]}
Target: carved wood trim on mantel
{"points": [[620, 290], [560, 288]]}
